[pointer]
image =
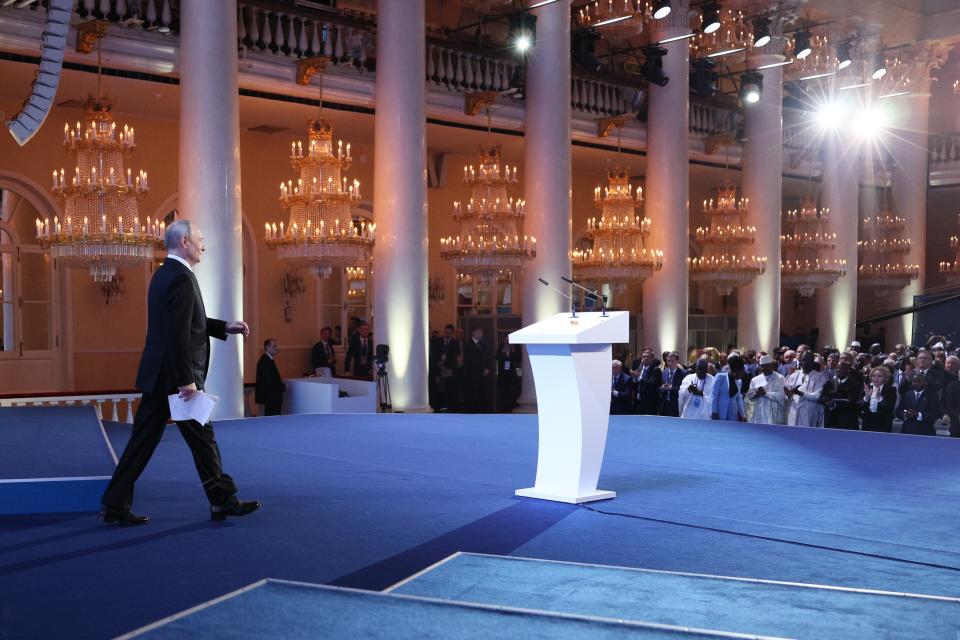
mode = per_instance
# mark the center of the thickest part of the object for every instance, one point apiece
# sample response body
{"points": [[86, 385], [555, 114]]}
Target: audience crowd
{"points": [[908, 390]]}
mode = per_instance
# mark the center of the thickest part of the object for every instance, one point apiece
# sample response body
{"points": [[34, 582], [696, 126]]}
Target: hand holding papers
{"points": [[198, 407]]}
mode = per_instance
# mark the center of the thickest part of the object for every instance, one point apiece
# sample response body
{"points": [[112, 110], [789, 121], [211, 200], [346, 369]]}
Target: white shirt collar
{"points": [[268, 355], [181, 261]]}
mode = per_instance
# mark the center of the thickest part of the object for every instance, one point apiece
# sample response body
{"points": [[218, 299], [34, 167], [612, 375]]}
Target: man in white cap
{"points": [[766, 397], [855, 346]]}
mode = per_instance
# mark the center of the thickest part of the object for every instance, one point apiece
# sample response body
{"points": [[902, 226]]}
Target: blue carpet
{"points": [[366, 500], [295, 611], [737, 606], [52, 442]]}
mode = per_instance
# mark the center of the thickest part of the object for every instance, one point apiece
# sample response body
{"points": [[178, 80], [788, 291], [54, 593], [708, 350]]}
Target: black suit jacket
{"points": [[359, 358], [647, 389], [475, 360], [176, 352], [319, 358], [269, 385], [928, 407], [623, 385], [841, 399]]}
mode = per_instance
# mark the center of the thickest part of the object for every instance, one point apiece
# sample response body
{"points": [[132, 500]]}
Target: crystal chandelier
{"points": [[617, 20], [952, 269], [617, 257], [882, 255], [101, 229], [819, 63], [734, 36], [802, 267], [356, 283], [320, 233], [490, 243], [725, 262]]}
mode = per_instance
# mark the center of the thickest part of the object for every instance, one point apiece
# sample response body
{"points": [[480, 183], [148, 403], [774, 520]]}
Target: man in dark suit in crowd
{"points": [[359, 360], [919, 408], [176, 356], [269, 385], [841, 395], [448, 352], [673, 374], [621, 390], [476, 372], [647, 381], [322, 354]]}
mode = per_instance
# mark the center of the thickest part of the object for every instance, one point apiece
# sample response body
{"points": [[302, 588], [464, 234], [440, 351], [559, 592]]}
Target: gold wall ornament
{"points": [[308, 67], [88, 33]]}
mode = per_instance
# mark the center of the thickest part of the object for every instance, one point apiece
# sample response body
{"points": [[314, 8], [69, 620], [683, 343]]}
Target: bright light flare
{"points": [[871, 121], [832, 115], [523, 43]]}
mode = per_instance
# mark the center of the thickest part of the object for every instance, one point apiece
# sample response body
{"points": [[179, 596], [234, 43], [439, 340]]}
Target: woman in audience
{"points": [[878, 401]]}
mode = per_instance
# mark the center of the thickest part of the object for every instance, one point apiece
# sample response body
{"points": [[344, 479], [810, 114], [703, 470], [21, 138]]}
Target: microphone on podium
{"points": [[596, 294], [573, 303]]}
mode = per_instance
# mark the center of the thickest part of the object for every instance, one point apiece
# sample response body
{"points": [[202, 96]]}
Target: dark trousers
{"points": [[273, 405], [148, 425]]}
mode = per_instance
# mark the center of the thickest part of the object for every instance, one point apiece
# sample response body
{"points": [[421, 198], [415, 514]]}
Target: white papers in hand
{"points": [[198, 407]]}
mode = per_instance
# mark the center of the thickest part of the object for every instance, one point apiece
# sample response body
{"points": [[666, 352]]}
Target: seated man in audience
{"points": [[621, 390], [765, 398], [695, 392]]}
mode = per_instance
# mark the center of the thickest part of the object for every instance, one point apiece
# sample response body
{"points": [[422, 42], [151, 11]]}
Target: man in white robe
{"points": [[804, 388], [695, 392], [766, 398]]}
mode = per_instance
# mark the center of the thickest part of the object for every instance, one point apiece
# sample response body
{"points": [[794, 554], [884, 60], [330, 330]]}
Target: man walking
{"points": [[175, 359]]}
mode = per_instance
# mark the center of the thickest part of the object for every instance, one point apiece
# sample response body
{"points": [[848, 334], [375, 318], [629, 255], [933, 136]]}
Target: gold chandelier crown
{"points": [[101, 228]]}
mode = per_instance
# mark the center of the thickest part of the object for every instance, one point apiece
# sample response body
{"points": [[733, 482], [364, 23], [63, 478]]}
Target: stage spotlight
{"points": [[870, 122], [523, 31], [652, 68], [703, 79], [831, 115], [879, 66], [710, 15], [761, 31], [584, 50], [661, 9], [843, 55], [801, 44], [751, 87]]}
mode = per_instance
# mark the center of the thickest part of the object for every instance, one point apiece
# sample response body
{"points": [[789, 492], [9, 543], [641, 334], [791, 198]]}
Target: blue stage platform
{"points": [[366, 501]]}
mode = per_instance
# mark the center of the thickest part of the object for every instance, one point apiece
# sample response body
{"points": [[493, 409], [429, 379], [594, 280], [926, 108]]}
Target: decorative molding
{"points": [[473, 102], [88, 33], [606, 125], [308, 67]]}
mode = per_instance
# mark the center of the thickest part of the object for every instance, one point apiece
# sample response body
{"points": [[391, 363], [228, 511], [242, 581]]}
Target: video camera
{"points": [[382, 356]]}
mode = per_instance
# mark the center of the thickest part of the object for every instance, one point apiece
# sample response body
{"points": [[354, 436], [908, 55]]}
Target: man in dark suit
{"points": [[919, 408], [322, 354], [476, 372], [175, 359], [647, 381], [841, 396], [621, 390], [269, 385], [448, 353], [359, 360], [673, 374]]}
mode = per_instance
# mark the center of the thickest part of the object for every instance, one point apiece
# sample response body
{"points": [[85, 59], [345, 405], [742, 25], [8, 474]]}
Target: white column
{"points": [[908, 145], [210, 177], [666, 294], [547, 173], [758, 303], [840, 193], [400, 200]]}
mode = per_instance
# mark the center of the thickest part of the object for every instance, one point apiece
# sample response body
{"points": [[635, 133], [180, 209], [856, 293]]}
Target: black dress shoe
{"points": [[237, 509], [127, 518]]}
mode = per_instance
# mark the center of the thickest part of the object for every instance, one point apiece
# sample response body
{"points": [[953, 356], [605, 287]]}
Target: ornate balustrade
{"points": [[117, 403]]}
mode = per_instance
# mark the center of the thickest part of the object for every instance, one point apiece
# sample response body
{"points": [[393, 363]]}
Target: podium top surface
{"points": [[586, 328]]}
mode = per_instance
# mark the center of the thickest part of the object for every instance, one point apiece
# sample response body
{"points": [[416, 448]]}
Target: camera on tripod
{"points": [[381, 357]]}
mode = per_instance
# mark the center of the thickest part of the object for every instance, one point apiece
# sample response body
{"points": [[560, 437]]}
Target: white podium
{"points": [[571, 359]]}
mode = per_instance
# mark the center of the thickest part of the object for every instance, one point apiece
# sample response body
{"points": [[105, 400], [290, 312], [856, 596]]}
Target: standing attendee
{"points": [[476, 372], [269, 386], [433, 370], [919, 409], [804, 389], [448, 356], [750, 366], [508, 382], [841, 397], [695, 392], [621, 389], [322, 354], [726, 401], [878, 401], [765, 398], [789, 364], [359, 359], [176, 356], [672, 377], [832, 362], [647, 380]]}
